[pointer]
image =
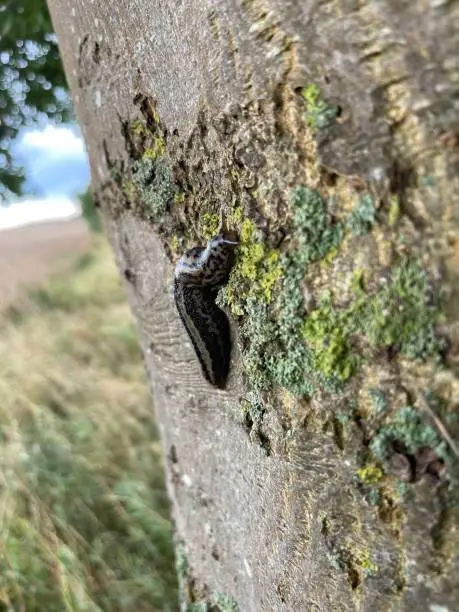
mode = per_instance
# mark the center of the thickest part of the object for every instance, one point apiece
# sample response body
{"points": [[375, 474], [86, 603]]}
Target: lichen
{"points": [[129, 190], [327, 332], [256, 271], [179, 197], [378, 398], [293, 365], [235, 217], [397, 314], [400, 314], [408, 426], [175, 244], [315, 233], [363, 560], [225, 603], [197, 606], [275, 351], [209, 225], [394, 210], [363, 217], [153, 180], [354, 560], [138, 127], [259, 331], [156, 150], [319, 114], [370, 474]]}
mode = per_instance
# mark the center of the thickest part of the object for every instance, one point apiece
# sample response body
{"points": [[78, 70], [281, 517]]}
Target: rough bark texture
{"points": [[192, 108]]}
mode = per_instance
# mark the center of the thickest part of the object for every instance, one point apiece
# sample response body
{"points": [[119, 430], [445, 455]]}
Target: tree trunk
{"points": [[327, 132]]}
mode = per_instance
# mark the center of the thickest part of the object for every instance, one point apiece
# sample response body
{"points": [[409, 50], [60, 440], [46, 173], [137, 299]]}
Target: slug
{"points": [[198, 275]]}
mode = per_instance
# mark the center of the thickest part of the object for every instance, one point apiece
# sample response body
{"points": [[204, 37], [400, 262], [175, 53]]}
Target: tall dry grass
{"points": [[84, 516]]}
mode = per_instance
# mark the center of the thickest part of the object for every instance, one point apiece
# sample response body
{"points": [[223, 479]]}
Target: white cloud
{"points": [[54, 142], [26, 212], [54, 160]]}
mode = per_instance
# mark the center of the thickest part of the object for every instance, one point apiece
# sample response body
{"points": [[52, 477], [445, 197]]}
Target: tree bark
{"points": [[188, 109]]}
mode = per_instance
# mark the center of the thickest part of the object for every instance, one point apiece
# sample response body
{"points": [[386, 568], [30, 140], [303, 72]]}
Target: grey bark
{"points": [[273, 530]]}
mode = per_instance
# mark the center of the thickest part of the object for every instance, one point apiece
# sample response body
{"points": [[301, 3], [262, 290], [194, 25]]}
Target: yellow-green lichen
{"points": [[255, 272], [156, 150], [363, 560], [138, 127], [394, 210], [235, 217], [275, 350], [179, 197], [326, 331], [318, 113], [354, 560], [209, 225], [397, 314], [370, 474], [175, 244], [129, 190]]}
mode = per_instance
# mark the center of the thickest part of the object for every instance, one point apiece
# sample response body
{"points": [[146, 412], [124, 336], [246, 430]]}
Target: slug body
{"points": [[198, 275]]}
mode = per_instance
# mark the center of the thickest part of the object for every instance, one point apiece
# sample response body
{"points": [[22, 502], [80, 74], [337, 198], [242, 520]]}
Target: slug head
{"points": [[210, 266]]}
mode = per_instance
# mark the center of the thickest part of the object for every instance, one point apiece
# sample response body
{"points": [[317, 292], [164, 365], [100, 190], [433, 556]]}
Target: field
{"points": [[28, 253], [83, 510]]}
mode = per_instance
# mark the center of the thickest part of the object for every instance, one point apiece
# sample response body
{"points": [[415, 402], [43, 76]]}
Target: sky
{"points": [[57, 170]]}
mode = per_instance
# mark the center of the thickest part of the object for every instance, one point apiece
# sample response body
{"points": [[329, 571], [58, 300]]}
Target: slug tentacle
{"points": [[197, 276]]}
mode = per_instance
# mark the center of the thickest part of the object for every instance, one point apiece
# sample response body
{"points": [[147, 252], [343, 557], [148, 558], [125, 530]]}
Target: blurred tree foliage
{"points": [[32, 79]]}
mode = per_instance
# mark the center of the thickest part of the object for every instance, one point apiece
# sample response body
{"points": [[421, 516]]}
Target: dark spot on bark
{"points": [[96, 53], [129, 275], [173, 457]]}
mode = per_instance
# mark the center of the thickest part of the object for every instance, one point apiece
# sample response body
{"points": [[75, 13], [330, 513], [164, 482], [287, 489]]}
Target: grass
{"points": [[84, 514]]}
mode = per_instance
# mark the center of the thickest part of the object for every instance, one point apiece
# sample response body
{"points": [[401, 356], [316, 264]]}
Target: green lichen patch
{"points": [[174, 244], [259, 332], [255, 273], [363, 217], [295, 366], [407, 426], [179, 197], [398, 314], [236, 217], [370, 474], [394, 210], [362, 559], [275, 351], [327, 332], [378, 398], [315, 233], [318, 114], [153, 180], [355, 561], [225, 603], [157, 148], [138, 127], [209, 225]]}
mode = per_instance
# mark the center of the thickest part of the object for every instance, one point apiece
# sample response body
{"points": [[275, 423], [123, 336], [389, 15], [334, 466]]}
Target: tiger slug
{"points": [[198, 275]]}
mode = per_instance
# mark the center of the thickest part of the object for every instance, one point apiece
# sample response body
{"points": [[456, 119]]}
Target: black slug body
{"points": [[208, 329], [198, 275]]}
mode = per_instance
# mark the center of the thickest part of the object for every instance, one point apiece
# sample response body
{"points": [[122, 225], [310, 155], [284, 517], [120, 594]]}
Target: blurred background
{"points": [[84, 514]]}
